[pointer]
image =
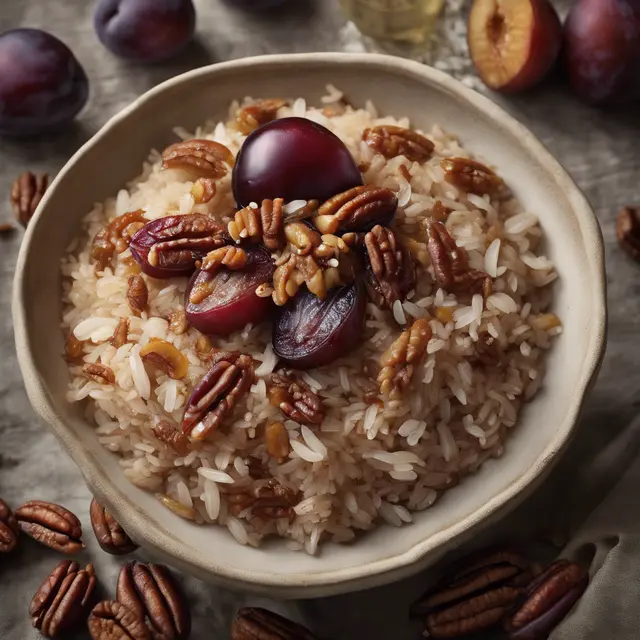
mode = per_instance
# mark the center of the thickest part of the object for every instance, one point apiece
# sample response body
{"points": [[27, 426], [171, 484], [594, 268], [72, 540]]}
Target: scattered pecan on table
{"points": [[628, 231], [165, 356], [216, 395], [151, 592], [6, 228], [207, 158], [252, 116], [474, 177], [264, 223], [99, 373], [9, 529], [51, 525], [115, 237], [399, 360], [356, 209], [295, 399], [63, 600], [26, 193], [267, 499], [451, 264], [111, 620], [391, 141], [549, 598], [475, 596], [252, 623], [390, 272], [110, 535]]}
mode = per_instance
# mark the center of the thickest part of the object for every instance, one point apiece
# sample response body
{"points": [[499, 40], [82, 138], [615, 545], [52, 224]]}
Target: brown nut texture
{"points": [[207, 158], [295, 399], [628, 231], [111, 620], [391, 141], [253, 623], [151, 591], [51, 525], [473, 176], [9, 528], [26, 193], [63, 600], [111, 537]]}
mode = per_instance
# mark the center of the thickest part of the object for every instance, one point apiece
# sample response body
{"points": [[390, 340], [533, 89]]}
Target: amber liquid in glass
{"points": [[411, 21]]}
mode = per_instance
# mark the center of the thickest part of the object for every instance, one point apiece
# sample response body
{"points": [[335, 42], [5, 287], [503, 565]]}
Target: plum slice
{"points": [[221, 303], [310, 332]]}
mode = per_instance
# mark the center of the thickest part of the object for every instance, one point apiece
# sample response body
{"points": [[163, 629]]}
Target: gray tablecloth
{"points": [[600, 150]]}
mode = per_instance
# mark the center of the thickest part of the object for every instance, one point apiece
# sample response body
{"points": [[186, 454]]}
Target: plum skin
{"points": [[42, 85], [145, 30]]}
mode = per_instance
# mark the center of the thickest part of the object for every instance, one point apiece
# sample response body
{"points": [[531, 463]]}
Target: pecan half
{"points": [[302, 238], [216, 395], [628, 231], [137, 295], [267, 499], [171, 435], [295, 399], [51, 525], [398, 361], [26, 193], [476, 597], [253, 623], [203, 347], [111, 537], [9, 528], [260, 112], [99, 373], [277, 440], [473, 176], [111, 620], [390, 273], [115, 237], [392, 141], [153, 593], [233, 258], [549, 599], [73, 348], [178, 323], [451, 264], [358, 209], [207, 158], [166, 357], [264, 224], [203, 190], [63, 600], [120, 333]]}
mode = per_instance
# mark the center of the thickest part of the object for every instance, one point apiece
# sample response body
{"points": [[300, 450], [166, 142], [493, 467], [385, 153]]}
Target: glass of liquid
{"points": [[409, 21]]}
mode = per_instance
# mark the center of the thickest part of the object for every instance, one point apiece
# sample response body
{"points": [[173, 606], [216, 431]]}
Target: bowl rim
{"points": [[391, 567]]}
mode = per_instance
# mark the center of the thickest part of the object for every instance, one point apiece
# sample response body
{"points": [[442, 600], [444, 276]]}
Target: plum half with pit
{"points": [[145, 30], [42, 85], [231, 301], [294, 159], [310, 332]]}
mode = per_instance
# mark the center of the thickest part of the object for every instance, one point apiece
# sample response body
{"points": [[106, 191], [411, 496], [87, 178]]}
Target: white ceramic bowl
{"points": [[398, 87]]}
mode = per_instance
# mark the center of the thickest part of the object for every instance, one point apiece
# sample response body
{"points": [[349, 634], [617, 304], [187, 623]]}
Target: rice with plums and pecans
{"points": [[416, 389]]}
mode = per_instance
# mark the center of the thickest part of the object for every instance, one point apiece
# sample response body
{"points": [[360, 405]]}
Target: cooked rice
{"points": [[366, 463]]}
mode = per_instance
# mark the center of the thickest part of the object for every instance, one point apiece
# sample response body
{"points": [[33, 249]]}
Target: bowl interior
{"points": [[401, 89]]}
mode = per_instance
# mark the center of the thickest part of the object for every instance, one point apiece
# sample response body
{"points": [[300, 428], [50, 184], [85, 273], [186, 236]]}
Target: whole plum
{"points": [[145, 30], [42, 84], [602, 50]]}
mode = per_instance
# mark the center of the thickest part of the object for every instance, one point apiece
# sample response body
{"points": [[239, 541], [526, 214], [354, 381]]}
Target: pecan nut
{"points": [[253, 623], [111, 620], [99, 373], [111, 537], [254, 115], [267, 499], [216, 395], [120, 333], [397, 363], [207, 158], [233, 258], [302, 238], [451, 263], [392, 141], [9, 529], [151, 592], [628, 231], [265, 224], [137, 295], [178, 322], [295, 399], [26, 193], [171, 435], [115, 237], [549, 599], [63, 600], [203, 190], [476, 596], [277, 440], [166, 357], [474, 177], [51, 525], [390, 272], [358, 209]]}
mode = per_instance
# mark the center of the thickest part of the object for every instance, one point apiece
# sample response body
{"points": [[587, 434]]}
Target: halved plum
{"points": [[310, 332], [230, 300], [294, 159]]}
